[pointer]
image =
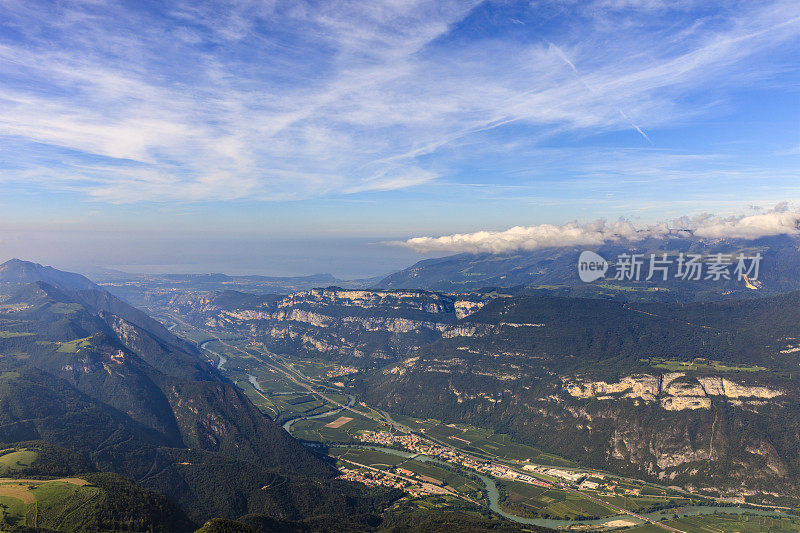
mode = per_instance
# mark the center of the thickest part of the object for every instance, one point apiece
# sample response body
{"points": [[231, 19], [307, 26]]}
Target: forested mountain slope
{"points": [[83, 370], [554, 270], [703, 394]]}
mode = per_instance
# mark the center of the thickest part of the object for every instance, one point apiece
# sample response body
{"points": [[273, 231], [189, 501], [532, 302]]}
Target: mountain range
{"points": [[708, 390], [84, 371], [692, 386], [554, 270]]}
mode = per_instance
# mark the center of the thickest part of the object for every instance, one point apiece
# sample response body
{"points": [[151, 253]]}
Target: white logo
{"points": [[591, 266], [634, 267]]}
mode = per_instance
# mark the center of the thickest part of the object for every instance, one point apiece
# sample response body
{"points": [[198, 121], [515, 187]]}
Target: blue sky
{"points": [[151, 125]]}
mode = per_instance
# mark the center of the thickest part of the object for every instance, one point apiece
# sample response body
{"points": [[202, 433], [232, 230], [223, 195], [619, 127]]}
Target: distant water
{"points": [[346, 258], [254, 382], [222, 358]]}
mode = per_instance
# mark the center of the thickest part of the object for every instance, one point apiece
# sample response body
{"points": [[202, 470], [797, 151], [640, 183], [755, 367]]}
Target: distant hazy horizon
{"points": [[349, 257], [345, 258]]}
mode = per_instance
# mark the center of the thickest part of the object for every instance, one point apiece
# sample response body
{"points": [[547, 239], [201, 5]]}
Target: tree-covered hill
{"points": [[704, 395], [84, 371], [48, 488], [554, 271]]}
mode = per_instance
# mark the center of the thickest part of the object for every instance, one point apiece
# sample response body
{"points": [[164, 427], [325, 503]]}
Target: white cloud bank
{"points": [[779, 221]]}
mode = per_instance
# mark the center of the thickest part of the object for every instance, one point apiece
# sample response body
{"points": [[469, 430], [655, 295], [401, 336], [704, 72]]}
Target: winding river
{"points": [[222, 358], [254, 382], [492, 492], [289, 423], [493, 495]]}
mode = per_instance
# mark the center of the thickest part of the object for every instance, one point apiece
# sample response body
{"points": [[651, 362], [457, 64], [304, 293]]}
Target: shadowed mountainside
{"points": [[82, 370]]}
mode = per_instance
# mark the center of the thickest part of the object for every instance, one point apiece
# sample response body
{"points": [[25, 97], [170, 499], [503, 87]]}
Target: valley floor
{"points": [[452, 465]]}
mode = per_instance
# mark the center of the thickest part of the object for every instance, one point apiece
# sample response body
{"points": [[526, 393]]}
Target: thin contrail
{"points": [[571, 65]]}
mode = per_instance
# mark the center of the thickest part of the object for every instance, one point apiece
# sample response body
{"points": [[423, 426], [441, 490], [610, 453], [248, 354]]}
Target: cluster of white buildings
{"points": [[340, 370], [384, 438], [414, 444], [588, 485], [374, 478], [567, 475], [502, 471]]}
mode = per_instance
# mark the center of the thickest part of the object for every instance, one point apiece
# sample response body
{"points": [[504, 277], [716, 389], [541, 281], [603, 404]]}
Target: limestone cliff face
{"points": [[483, 330], [717, 386], [701, 431], [373, 299], [471, 330], [464, 308], [187, 303], [674, 391], [642, 386], [126, 332], [360, 326], [548, 377]]}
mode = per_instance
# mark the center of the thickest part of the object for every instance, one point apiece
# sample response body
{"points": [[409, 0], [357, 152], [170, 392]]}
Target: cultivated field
{"points": [[725, 523], [41, 503], [14, 460]]}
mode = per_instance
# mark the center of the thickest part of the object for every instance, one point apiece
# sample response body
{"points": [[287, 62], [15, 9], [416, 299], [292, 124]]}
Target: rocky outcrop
{"points": [[359, 326], [470, 330], [673, 391], [642, 386], [719, 386], [464, 308], [410, 300]]}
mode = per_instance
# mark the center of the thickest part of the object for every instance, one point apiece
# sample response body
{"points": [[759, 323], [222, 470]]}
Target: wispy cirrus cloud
{"points": [[286, 100]]}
